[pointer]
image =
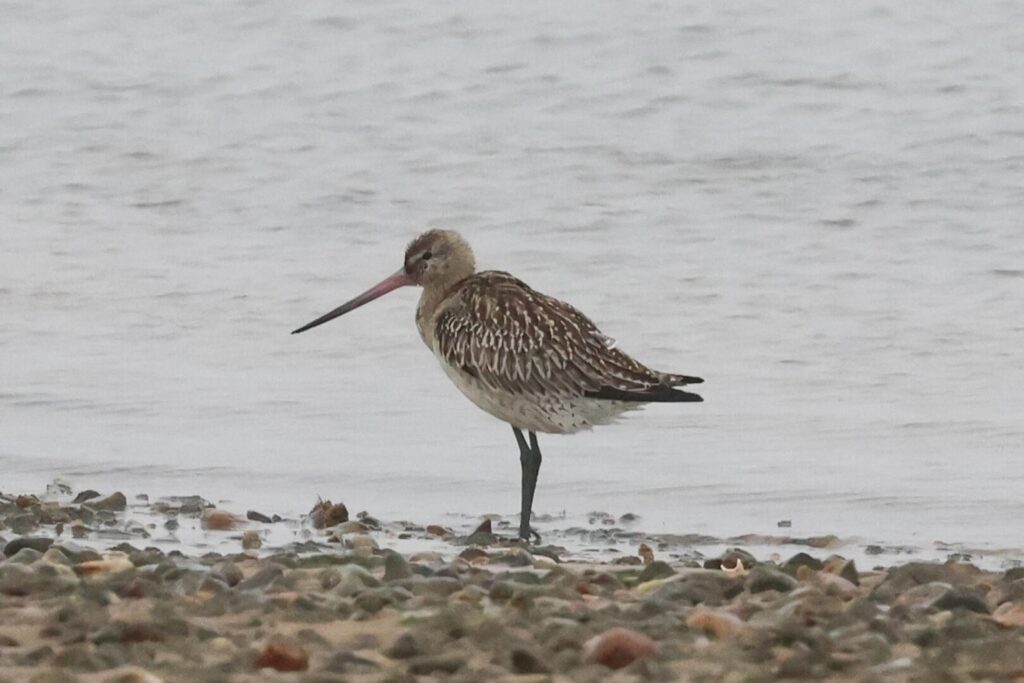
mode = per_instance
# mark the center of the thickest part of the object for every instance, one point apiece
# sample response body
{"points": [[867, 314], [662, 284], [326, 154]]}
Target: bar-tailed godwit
{"points": [[526, 358]]}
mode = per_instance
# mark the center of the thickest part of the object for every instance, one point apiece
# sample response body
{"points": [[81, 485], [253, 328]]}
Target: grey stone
{"points": [[512, 558], [430, 664], [526, 661], [961, 598], [54, 676], [80, 658], [36, 656], [351, 527], [1014, 573], [845, 568], [85, 495], [656, 570], [34, 542], [229, 572], [501, 591], [114, 502], [404, 647], [802, 560], [375, 599], [254, 516], [25, 556], [763, 578], [260, 579], [395, 567], [346, 662], [77, 553], [22, 523], [699, 588], [435, 585], [913, 574], [481, 538]]}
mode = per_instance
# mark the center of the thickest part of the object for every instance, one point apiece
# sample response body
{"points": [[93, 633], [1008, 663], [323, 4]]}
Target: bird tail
{"points": [[658, 394]]}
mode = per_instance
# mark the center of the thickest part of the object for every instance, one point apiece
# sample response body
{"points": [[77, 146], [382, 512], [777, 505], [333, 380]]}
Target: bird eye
{"points": [[427, 255]]}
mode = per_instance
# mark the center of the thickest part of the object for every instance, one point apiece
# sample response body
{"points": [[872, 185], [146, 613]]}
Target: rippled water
{"points": [[816, 208]]}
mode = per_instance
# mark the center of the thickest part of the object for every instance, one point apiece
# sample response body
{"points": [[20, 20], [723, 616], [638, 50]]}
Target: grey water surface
{"points": [[817, 207]]}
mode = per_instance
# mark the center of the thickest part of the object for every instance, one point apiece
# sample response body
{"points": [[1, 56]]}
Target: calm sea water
{"points": [[817, 208]]}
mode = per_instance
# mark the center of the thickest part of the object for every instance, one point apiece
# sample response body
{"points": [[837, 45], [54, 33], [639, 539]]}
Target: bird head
{"points": [[437, 259]]}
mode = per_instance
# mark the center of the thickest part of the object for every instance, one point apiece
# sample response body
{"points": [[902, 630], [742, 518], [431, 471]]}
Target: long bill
{"points": [[399, 279]]}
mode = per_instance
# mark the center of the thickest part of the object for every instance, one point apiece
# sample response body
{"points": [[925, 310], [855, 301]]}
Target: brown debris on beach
{"points": [[339, 604]]}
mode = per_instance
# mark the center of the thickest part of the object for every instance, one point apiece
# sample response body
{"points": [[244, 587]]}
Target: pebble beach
{"points": [[109, 587], [814, 206]]}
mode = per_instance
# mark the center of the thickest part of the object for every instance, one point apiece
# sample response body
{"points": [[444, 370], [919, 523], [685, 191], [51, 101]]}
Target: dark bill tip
{"points": [[399, 279]]}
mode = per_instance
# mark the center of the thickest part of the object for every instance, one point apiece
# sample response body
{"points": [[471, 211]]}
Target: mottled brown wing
{"points": [[517, 340]]}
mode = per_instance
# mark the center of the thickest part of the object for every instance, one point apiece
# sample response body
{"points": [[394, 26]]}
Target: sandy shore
{"points": [[88, 594]]}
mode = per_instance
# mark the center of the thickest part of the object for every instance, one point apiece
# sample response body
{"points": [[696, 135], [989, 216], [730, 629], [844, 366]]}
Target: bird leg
{"points": [[529, 458]]}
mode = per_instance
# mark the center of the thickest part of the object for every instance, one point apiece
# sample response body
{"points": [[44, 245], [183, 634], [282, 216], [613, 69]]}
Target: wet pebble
{"points": [[25, 556], [524, 661], [112, 563], [251, 540], [24, 523], [86, 495], [53, 676], [347, 662], [715, 622], [214, 519], [834, 584], [962, 598], [476, 613], [656, 570], [698, 588], [261, 579], [326, 514], [834, 564], [39, 544], [619, 647], [764, 578], [254, 516], [427, 665], [115, 502], [1009, 614], [404, 647], [396, 567], [131, 675], [282, 654], [802, 560]]}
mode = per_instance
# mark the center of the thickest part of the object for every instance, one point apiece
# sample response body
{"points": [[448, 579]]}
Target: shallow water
{"points": [[815, 208]]}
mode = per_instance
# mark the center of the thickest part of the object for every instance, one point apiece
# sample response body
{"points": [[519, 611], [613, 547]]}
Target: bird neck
{"points": [[433, 296]]}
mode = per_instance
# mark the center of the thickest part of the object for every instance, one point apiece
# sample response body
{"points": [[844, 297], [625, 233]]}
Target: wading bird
{"points": [[526, 358]]}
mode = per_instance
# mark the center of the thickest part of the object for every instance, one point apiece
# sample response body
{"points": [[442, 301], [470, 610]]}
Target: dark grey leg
{"points": [[529, 458]]}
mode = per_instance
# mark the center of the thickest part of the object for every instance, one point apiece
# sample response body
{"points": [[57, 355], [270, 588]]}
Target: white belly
{"points": [[545, 413]]}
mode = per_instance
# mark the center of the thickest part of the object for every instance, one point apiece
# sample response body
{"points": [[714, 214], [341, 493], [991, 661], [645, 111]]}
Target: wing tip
{"points": [[663, 394], [679, 380]]}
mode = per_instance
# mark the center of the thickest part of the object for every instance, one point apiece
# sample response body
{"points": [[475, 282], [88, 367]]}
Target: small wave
{"points": [[158, 204]]}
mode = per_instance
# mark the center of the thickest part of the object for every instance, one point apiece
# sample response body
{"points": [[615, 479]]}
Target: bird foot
{"points": [[526, 539]]}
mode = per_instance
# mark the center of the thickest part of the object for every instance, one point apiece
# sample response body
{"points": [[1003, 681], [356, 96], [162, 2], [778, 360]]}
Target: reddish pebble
{"points": [[219, 520], [282, 654], [26, 501], [619, 647], [326, 514]]}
